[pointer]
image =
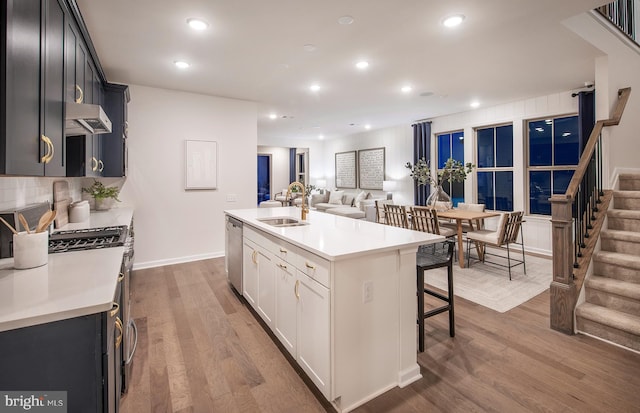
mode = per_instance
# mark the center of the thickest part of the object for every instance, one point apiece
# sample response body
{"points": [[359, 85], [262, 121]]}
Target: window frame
{"points": [[543, 168], [493, 169], [448, 186]]}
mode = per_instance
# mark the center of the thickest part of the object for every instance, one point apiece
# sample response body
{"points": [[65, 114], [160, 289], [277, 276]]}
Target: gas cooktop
{"points": [[85, 239]]}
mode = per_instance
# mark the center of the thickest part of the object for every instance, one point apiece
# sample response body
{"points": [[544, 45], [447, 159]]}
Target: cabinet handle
{"points": [[311, 267], [295, 289], [121, 277], [132, 323], [94, 163], [101, 167], [114, 309], [80, 98], [284, 267], [49, 155], [282, 250], [119, 327], [253, 257]]}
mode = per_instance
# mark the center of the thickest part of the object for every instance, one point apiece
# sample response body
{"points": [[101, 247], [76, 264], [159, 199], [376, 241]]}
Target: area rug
{"points": [[489, 286]]}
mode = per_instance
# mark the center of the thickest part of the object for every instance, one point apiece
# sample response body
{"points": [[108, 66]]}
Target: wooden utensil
{"points": [[45, 220], [62, 209], [24, 223], [9, 226]]}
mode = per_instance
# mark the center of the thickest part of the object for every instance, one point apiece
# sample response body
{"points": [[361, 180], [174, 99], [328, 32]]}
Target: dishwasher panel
{"points": [[233, 253]]}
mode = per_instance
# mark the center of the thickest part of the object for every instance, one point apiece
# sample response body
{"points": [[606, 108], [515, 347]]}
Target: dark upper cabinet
{"points": [[32, 91], [114, 144]]}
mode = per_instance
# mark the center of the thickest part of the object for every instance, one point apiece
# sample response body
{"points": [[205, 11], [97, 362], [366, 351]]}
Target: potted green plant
{"points": [[453, 171], [104, 195]]}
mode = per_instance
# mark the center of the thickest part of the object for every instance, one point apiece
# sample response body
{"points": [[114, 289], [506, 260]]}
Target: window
{"points": [[301, 167], [451, 145], [495, 167], [554, 152]]}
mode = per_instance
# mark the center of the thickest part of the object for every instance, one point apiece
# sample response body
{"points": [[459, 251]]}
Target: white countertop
{"points": [[72, 284], [334, 237]]}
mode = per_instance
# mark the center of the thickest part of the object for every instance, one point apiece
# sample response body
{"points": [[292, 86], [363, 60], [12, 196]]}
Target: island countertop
{"points": [[334, 237], [71, 284]]}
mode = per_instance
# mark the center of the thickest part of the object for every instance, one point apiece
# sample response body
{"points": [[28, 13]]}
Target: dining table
{"points": [[474, 218]]}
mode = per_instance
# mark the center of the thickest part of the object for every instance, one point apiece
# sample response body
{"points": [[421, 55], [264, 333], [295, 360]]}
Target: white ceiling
{"points": [[254, 50]]}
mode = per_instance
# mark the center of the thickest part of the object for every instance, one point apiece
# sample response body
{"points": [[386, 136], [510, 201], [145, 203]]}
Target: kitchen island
{"points": [[340, 296]]}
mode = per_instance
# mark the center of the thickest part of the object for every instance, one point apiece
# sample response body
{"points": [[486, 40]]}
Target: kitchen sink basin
{"points": [[282, 222]]}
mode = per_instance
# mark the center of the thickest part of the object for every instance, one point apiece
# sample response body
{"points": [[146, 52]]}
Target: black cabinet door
{"points": [[21, 84], [52, 110], [114, 144]]}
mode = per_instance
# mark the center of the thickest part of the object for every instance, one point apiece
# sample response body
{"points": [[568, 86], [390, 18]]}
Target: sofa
{"points": [[359, 205]]}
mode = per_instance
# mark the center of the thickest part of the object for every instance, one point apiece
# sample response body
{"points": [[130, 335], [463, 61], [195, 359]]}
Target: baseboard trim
{"points": [[176, 260]]}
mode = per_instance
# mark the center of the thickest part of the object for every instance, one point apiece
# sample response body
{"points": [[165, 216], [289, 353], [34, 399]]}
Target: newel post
{"points": [[562, 289]]}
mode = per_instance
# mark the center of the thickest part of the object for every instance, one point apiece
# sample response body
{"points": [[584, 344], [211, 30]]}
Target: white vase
{"points": [[439, 200]]}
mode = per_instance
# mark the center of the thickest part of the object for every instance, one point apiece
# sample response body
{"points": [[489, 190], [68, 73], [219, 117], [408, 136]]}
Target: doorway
{"points": [[264, 177]]}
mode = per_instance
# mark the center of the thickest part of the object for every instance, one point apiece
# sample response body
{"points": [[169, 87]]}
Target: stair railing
{"points": [[572, 214], [621, 14]]}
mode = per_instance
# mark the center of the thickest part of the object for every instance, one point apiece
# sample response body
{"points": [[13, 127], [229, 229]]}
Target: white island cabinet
{"points": [[340, 295]]}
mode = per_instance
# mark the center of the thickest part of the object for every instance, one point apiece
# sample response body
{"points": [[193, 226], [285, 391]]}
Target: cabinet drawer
{"points": [[313, 266], [258, 239]]}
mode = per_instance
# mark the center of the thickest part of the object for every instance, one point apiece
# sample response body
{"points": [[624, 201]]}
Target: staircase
{"points": [[612, 307]]}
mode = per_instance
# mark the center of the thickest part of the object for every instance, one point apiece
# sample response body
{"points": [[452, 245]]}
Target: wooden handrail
{"points": [[572, 217], [572, 189]]}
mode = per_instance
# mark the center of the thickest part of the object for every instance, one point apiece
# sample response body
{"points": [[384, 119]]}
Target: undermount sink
{"points": [[283, 222]]}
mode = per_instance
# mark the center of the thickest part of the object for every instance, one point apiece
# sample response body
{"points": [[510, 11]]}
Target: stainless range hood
{"points": [[86, 119]]}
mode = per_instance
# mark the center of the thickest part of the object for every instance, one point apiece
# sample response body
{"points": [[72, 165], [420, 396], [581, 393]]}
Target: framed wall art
{"points": [[201, 165], [346, 170], [371, 168]]}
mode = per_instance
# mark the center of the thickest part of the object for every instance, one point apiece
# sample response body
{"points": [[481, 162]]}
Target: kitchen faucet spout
{"points": [[304, 207]]}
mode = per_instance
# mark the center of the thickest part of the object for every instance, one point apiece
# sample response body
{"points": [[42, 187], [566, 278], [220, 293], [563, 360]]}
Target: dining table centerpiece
{"points": [[453, 171]]}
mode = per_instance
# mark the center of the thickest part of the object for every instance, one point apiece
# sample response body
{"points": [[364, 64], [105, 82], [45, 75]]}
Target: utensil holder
{"points": [[30, 250]]}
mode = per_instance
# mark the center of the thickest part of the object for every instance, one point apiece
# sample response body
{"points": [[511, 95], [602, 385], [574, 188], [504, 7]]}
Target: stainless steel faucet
{"points": [[304, 206]]}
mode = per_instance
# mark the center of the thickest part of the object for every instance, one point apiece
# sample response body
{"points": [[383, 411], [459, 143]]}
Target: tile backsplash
{"points": [[21, 191]]}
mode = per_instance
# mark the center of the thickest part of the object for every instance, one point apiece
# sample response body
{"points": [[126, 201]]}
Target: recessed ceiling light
{"points": [[346, 20], [475, 104], [321, 137], [181, 64], [362, 65], [273, 116], [309, 47], [453, 21], [367, 127], [406, 89], [314, 87], [197, 24]]}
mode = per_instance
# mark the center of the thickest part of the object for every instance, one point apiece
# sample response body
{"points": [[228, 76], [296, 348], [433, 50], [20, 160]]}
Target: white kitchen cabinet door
{"points": [[266, 286], [313, 331], [286, 306], [250, 272]]}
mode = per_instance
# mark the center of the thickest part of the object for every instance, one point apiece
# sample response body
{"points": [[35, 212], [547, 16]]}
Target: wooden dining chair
{"points": [[425, 219], [509, 226], [379, 203], [396, 215]]}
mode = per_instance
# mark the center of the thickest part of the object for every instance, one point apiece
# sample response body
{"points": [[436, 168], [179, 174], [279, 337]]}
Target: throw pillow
{"points": [[335, 197], [347, 199], [359, 198]]}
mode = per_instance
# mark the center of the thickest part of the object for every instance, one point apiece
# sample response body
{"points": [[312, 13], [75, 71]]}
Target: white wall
{"points": [[618, 68], [173, 225]]}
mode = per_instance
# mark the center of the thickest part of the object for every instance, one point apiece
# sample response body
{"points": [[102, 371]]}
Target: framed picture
{"points": [[346, 170], [201, 165], [371, 168]]}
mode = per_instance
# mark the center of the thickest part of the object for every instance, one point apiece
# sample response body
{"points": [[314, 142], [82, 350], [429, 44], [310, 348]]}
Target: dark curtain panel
{"points": [[586, 116], [292, 164], [421, 149]]}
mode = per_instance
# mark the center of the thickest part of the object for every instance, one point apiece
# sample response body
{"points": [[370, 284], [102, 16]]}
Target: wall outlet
{"points": [[232, 198], [367, 291]]}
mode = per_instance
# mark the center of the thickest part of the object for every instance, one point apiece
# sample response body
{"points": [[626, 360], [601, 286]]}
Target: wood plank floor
{"points": [[201, 350]]}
